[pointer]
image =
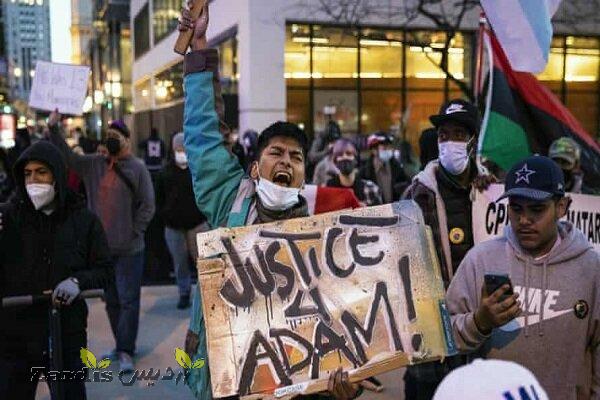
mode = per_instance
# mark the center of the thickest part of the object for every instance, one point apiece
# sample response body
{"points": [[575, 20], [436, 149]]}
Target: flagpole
{"points": [[479, 62]]}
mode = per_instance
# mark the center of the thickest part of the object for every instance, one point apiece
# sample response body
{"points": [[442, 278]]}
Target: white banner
{"points": [[490, 218], [59, 86]]}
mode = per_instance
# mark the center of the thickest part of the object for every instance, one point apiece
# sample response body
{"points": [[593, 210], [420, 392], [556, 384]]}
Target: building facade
{"points": [[27, 40], [109, 55], [82, 30], [282, 60]]}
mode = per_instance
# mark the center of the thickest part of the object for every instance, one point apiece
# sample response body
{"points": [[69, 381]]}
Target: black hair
{"points": [[282, 129]]}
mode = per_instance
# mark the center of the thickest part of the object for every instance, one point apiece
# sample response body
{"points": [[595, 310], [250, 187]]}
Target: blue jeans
{"points": [[177, 244], [123, 301]]}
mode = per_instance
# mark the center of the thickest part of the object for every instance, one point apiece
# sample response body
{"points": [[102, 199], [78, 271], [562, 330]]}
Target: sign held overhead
{"points": [[59, 86]]}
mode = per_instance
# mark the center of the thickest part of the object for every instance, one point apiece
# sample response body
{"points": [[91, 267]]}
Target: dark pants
{"points": [[123, 301], [421, 380], [17, 381]]}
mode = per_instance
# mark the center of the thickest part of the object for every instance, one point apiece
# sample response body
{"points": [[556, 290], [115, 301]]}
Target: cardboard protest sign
{"points": [[287, 302], [490, 218], [61, 86]]}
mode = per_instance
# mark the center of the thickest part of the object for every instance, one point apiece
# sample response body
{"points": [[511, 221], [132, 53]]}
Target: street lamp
{"points": [[18, 72]]}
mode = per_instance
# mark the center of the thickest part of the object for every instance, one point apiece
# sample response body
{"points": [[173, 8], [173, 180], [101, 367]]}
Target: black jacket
{"points": [[175, 199], [38, 251]]}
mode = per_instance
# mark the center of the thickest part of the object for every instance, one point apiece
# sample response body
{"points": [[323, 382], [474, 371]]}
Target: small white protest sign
{"points": [[59, 86]]}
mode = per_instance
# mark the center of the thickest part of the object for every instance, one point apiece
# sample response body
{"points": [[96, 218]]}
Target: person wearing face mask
{"points": [[383, 168], [176, 206], [49, 240], [119, 190], [442, 191], [224, 193], [345, 158]]}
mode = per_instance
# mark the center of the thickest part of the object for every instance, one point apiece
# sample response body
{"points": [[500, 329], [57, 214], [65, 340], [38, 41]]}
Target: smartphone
{"points": [[494, 282]]}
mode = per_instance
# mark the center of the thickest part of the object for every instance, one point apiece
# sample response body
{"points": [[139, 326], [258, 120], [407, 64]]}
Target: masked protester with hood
{"points": [[345, 158], [384, 169], [176, 206], [548, 320], [119, 190], [443, 192], [224, 193], [48, 241]]}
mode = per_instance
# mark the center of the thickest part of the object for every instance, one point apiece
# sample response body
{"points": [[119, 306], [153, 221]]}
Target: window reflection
{"points": [[165, 17], [168, 85]]}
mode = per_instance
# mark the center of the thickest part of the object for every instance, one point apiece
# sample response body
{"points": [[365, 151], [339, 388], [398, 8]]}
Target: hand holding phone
{"points": [[494, 282], [497, 306]]}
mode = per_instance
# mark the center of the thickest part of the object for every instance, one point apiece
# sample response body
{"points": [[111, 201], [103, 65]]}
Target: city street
{"points": [[162, 329]]}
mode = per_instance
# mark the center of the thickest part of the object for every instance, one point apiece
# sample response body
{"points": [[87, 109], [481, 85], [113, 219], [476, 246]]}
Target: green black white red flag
{"points": [[523, 117]]}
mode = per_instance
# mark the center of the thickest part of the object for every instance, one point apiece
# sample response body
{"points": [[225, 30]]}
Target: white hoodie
{"points": [[558, 344]]}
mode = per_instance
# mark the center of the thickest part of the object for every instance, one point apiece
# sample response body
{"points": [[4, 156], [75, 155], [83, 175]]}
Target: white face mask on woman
{"points": [[41, 194], [181, 158], [454, 156], [275, 197]]}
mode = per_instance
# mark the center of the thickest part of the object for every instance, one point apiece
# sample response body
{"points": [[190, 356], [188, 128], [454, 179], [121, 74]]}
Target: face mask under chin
{"points": [[275, 197]]}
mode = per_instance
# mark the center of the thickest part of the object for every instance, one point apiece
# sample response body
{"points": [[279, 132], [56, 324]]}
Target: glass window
{"points": [[381, 59], [228, 65], [164, 17], [424, 55], [339, 105], [582, 59], [297, 55], [554, 68], [142, 96], [168, 85], [381, 110], [335, 57], [141, 29], [298, 110]]}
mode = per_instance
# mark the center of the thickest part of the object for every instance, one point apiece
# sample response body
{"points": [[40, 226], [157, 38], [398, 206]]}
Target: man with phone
{"points": [[545, 317]]}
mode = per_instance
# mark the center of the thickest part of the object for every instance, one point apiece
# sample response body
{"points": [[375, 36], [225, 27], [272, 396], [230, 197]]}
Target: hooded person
{"points": [[224, 193], [547, 318], [345, 158], [154, 151], [176, 205], [48, 241]]}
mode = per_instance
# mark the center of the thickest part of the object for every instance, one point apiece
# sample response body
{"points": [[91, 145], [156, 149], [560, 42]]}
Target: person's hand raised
{"points": [[199, 25]]}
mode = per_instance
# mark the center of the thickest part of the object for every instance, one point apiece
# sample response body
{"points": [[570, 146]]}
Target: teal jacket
{"points": [[222, 192], [216, 177]]}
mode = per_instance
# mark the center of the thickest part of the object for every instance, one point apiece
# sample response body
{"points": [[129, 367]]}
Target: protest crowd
{"points": [[523, 308]]}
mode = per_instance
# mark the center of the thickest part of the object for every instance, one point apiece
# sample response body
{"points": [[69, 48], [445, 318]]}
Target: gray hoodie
{"points": [[125, 216], [558, 344]]}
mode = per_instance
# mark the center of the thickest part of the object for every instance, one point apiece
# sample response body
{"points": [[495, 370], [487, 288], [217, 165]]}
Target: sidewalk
{"points": [[162, 329]]}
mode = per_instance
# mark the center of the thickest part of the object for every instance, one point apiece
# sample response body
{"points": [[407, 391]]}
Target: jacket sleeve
{"points": [[160, 192], [82, 164], [99, 273], [463, 298], [146, 207], [216, 173]]}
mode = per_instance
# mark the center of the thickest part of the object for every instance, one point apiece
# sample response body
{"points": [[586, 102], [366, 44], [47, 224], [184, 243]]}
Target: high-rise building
{"points": [[82, 18], [27, 40]]}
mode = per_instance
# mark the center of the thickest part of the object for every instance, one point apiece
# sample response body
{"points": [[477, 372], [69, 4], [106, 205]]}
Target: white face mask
{"points": [[275, 197], [386, 155], [41, 194], [180, 158], [454, 156]]}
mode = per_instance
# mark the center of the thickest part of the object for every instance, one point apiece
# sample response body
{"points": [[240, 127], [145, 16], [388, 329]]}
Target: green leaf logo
{"points": [[104, 363], [182, 358], [88, 358], [198, 364]]}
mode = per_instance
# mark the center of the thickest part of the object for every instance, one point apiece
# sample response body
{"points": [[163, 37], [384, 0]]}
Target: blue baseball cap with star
{"points": [[536, 178]]}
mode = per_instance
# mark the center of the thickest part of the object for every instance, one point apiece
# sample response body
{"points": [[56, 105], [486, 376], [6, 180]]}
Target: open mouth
{"points": [[282, 179]]}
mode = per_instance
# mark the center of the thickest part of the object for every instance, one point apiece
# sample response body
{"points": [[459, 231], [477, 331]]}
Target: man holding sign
{"points": [[533, 295], [223, 193]]}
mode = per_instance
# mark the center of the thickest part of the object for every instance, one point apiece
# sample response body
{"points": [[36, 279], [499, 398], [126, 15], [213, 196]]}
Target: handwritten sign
{"points": [[61, 86], [490, 218], [287, 302]]}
